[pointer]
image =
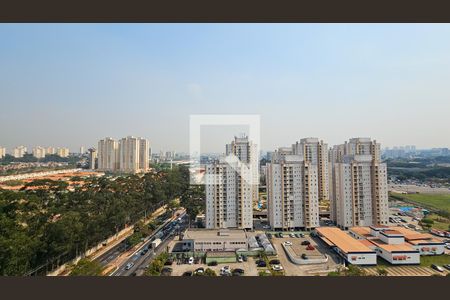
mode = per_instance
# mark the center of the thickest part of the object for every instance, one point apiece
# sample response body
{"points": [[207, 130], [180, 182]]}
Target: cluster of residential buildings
{"points": [[129, 154], [38, 151], [351, 176]]}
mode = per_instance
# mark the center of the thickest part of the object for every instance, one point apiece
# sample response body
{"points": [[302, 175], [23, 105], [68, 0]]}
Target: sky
{"points": [[73, 84]]}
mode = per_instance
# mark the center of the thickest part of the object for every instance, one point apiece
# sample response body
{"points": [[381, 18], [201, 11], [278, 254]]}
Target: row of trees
{"points": [[49, 225]]}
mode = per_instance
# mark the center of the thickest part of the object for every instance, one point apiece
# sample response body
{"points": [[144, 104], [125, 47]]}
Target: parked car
{"points": [[306, 243], [191, 260], [447, 267], [292, 235], [269, 235], [277, 268], [262, 264], [437, 268], [187, 273], [129, 266], [240, 259], [301, 235], [166, 271], [244, 257], [304, 256], [225, 271], [287, 243], [274, 262], [199, 271], [168, 262], [212, 263], [238, 272]]}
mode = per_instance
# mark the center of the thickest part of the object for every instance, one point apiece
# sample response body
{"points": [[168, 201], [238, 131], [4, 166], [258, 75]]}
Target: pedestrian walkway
{"points": [[403, 271]]}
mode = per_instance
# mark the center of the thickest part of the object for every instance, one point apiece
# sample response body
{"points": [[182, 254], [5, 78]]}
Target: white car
{"points": [[266, 227], [240, 259], [225, 270], [191, 260], [292, 235], [129, 266], [287, 243], [277, 268]]}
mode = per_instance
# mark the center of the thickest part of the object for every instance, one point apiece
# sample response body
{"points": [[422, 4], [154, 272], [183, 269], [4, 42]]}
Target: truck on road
{"points": [[156, 243]]}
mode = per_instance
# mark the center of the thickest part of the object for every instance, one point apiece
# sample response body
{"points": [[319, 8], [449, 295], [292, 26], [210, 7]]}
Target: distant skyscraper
{"points": [[316, 152], [62, 152], [92, 158], [231, 188], [39, 152], [144, 154], [292, 191], [19, 151], [50, 150], [2, 152], [360, 193], [108, 155], [82, 150]]}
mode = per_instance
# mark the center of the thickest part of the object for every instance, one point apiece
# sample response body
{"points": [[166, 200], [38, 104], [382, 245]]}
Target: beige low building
{"points": [[212, 240]]}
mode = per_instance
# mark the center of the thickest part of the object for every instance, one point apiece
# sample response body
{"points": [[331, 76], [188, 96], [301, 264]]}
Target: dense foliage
{"points": [[50, 225], [86, 267]]}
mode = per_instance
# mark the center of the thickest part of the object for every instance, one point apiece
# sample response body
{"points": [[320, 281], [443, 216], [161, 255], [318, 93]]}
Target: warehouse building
{"points": [[354, 251]]}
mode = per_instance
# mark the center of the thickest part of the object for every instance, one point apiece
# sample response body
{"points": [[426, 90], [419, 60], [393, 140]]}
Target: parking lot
{"points": [[292, 269], [248, 266]]}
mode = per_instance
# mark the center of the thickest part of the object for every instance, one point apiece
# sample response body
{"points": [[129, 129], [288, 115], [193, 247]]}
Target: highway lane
{"points": [[139, 260], [120, 248]]}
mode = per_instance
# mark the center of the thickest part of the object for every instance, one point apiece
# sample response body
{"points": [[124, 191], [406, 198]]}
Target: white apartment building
{"points": [[144, 155], [232, 186], [316, 152], [130, 154], [19, 151], [2, 152], [92, 158], [134, 154], [62, 152], [359, 179], [50, 150], [39, 152], [292, 192], [108, 155]]}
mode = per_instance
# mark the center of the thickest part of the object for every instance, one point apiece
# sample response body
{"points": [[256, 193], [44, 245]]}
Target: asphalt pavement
{"points": [[142, 260]]}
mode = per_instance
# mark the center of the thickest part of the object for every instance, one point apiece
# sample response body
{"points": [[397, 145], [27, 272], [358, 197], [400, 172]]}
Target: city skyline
{"points": [[79, 83]]}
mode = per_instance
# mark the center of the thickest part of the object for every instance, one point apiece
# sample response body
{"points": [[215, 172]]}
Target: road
{"points": [[169, 229]]}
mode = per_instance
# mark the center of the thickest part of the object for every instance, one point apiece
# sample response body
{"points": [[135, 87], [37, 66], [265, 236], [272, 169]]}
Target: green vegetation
{"points": [[86, 267], [420, 168], [156, 266], [13, 182], [382, 271], [439, 222], [428, 260], [46, 227], [193, 200], [438, 203], [351, 270]]}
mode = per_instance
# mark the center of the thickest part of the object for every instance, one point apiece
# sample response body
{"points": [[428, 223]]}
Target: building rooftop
{"points": [[362, 231], [228, 234], [392, 247], [425, 242], [411, 234], [342, 240]]}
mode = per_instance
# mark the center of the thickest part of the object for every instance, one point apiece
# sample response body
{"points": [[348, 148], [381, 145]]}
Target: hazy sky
{"points": [[72, 84]]}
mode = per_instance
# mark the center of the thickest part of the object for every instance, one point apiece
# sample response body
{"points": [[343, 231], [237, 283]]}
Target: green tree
{"points": [[86, 267]]}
